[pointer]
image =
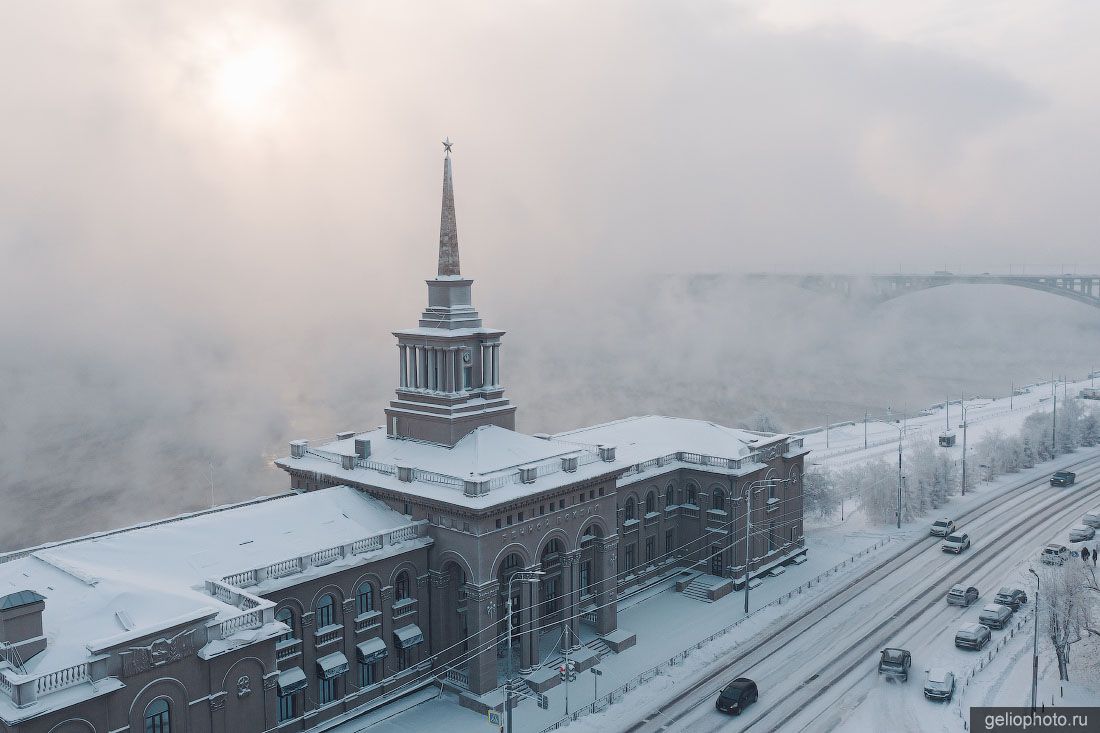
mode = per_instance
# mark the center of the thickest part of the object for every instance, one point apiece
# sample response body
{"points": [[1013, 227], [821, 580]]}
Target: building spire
{"points": [[448, 230]]}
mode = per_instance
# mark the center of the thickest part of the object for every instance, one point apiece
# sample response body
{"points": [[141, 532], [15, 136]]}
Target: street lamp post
{"points": [[525, 576], [747, 491], [1035, 645], [901, 432], [1054, 417], [963, 426]]}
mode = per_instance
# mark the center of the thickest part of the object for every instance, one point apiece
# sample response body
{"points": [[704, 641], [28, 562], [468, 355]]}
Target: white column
{"points": [[431, 369], [449, 368], [403, 378], [496, 364], [422, 368]]}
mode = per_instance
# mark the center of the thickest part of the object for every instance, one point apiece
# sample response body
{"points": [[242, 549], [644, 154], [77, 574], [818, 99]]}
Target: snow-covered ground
{"points": [[667, 622]]}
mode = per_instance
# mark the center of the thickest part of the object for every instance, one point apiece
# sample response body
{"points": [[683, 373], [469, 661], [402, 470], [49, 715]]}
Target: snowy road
{"points": [[820, 673]]}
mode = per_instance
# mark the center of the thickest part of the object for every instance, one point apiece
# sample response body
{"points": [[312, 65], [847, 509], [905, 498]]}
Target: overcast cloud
{"points": [[213, 214]]}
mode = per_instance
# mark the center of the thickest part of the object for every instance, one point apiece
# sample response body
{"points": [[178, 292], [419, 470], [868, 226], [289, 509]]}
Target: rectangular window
{"points": [[406, 509], [629, 558], [286, 707], [561, 503], [326, 691], [591, 495], [366, 674], [650, 548], [509, 520], [402, 659], [586, 577], [498, 523], [669, 544], [601, 491], [542, 509], [467, 376], [771, 535], [521, 516]]}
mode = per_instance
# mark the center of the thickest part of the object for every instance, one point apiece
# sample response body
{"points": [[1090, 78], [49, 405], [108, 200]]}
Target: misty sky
{"points": [[212, 214]]}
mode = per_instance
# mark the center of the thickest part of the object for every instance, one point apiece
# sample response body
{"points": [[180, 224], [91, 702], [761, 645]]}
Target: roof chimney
{"points": [[21, 622]]}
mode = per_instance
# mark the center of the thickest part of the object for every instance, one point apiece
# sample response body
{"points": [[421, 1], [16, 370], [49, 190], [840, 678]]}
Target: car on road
{"points": [[895, 662], [962, 595], [956, 542], [1054, 554], [942, 528], [972, 636], [940, 684], [1013, 597], [995, 616], [1063, 478], [1092, 519], [737, 695], [1080, 533]]}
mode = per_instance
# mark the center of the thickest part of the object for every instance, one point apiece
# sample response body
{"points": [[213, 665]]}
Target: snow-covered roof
{"points": [[640, 438], [512, 465], [105, 589]]}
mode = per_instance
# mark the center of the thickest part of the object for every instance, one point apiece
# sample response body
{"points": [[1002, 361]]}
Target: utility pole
{"points": [[899, 478], [748, 532], [864, 435], [964, 447], [1035, 645], [826, 430], [211, 484], [1054, 418], [1011, 395], [947, 414]]}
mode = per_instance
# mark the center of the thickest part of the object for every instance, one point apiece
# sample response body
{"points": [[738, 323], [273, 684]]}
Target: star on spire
{"points": [[447, 145]]}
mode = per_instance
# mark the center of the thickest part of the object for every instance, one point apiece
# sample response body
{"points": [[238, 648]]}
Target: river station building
{"points": [[396, 558]]}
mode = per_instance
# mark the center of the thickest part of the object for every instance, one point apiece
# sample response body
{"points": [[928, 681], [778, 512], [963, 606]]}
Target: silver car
{"points": [[972, 636], [1080, 533], [942, 528], [1092, 519], [995, 616], [940, 685], [956, 542]]}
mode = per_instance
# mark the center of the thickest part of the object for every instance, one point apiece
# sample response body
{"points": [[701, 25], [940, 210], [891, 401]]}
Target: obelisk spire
{"points": [[448, 230]]}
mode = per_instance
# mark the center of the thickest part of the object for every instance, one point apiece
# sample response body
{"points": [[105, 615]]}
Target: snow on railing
{"points": [[227, 589], [252, 619], [62, 678], [617, 694]]}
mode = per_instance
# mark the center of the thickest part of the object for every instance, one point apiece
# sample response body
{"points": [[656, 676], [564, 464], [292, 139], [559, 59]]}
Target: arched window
{"points": [[287, 617], [158, 716], [325, 611], [628, 510], [650, 502], [691, 494], [364, 598], [669, 496], [401, 586], [717, 499]]}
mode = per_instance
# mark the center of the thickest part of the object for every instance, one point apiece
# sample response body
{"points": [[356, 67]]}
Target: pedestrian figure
{"points": [[1085, 554], [1095, 552]]}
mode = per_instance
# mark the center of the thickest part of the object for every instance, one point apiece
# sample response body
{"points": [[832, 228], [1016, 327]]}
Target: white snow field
{"points": [[815, 655]]}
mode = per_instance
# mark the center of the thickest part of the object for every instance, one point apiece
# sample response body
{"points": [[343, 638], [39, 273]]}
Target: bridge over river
{"points": [[879, 288]]}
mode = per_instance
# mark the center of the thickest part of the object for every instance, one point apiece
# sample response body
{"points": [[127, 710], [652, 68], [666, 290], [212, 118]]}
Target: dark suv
{"points": [[1012, 597], [895, 662], [737, 695], [1063, 478]]}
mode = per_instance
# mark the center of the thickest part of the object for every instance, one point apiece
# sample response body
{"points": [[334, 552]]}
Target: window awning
{"points": [[408, 636], [332, 665], [291, 680], [371, 650]]}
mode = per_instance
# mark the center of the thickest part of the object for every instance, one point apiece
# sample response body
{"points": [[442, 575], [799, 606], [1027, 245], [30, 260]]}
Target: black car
{"points": [[1012, 597], [895, 662], [737, 695], [1063, 478]]}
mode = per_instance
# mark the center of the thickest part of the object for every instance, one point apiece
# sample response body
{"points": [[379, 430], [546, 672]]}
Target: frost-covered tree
{"points": [[1090, 428], [875, 483], [1027, 457], [931, 477], [1001, 453], [1065, 608], [820, 492], [761, 422], [1069, 425], [1037, 429]]}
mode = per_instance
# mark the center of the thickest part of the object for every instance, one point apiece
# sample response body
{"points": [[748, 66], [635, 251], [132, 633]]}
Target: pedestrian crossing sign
{"points": [[495, 718]]}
